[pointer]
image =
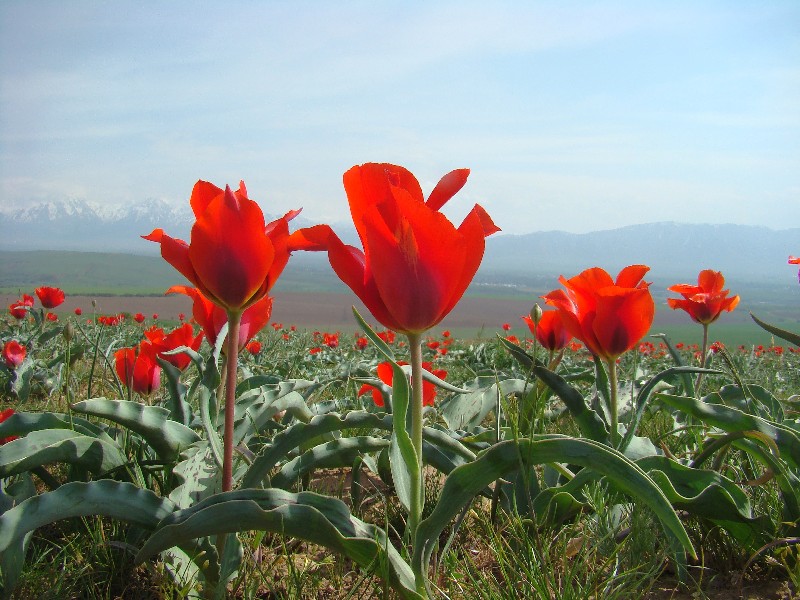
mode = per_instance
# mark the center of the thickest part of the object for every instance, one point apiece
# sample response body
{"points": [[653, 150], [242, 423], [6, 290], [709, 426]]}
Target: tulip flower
{"points": [[253, 347], [415, 265], [212, 318], [14, 354], [50, 297], [550, 330], [385, 374], [609, 316], [5, 414], [233, 258], [137, 368], [20, 308], [166, 342], [705, 301], [138, 317]]}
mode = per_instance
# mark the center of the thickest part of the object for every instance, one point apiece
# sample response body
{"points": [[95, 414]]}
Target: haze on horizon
{"points": [[572, 116]]}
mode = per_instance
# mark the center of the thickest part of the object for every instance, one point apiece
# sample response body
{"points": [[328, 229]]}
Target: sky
{"points": [[572, 116]]}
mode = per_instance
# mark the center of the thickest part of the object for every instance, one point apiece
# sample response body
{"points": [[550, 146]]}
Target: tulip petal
{"points": [[631, 276], [448, 186], [623, 317], [230, 252], [175, 252], [203, 193]]}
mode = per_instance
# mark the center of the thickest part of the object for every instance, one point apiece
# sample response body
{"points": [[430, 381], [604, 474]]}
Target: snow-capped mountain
{"points": [[78, 225]]}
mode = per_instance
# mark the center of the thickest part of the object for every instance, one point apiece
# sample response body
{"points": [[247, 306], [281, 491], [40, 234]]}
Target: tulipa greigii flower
{"points": [[234, 259], [414, 267], [608, 315]]}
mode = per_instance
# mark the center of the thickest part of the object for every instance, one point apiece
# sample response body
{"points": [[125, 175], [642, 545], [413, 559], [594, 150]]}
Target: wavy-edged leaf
{"points": [[589, 422], [167, 437], [295, 436], [318, 519], [22, 423], [709, 494], [179, 409], [644, 395], [732, 420], [199, 476], [47, 446], [466, 481], [336, 453]]}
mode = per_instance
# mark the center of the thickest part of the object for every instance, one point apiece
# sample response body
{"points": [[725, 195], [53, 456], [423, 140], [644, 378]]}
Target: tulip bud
{"points": [[536, 314], [94, 303], [68, 332]]}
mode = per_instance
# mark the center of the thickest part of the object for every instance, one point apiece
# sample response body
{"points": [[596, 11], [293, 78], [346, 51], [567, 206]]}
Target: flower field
{"points": [[219, 453]]}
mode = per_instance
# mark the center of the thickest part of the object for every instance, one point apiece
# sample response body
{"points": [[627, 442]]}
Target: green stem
{"points": [[417, 488], [702, 359], [612, 384], [232, 356]]}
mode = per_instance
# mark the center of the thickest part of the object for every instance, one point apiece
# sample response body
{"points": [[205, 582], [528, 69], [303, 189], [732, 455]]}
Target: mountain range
{"points": [[671, 249]]}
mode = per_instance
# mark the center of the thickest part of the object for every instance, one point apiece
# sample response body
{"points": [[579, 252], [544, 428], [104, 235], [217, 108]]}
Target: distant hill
{"points": [[529, 264]]}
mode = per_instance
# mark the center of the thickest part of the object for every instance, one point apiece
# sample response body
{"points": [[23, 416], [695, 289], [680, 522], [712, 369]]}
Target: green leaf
{"points": [[336, 453], [199, 476], [792, 338], [119, 500], [317, 519], [59, 445], [588, 421], [382, 346], [22, 423], [733, 420], [179, 408], [402, 456], [466, 481], [643, 397], [167, 437], [298, 434]]}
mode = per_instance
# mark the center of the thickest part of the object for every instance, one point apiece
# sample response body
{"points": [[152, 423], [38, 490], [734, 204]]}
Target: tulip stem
{"points": [[702, 359], [232, 357], [417, 478], [612, 384]]}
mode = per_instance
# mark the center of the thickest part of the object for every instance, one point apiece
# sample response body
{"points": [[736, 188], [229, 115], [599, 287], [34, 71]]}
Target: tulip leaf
{"points": [[118, 500], [466, 481], [199, 474], [318, 519], [402, 455], [589, 422], [22, 423], [336, 453], [792, 338], [179, 408], [382, 346], [300, 433], [46, 446], [733, 420], [167, 437], [644, 395]]}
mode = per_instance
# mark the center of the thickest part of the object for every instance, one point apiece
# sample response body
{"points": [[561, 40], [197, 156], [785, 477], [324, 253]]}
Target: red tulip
{"points": [[20, 308], [233, 257], [550, 331], [50, 297], [138, 317], [165, 342], [253, 347], [51, 316], [14, 354], [705, 301], [386, 375], [415, 265], [608, 316], [212, 318], [79, 311], [137, 368], [5, 414]]}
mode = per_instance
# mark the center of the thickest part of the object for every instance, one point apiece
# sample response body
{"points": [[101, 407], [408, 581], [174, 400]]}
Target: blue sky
{"points": [[575, 116]]}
